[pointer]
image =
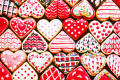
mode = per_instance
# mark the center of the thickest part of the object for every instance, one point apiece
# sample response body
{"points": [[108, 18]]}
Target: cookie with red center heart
{"points": [[9, 40], [78, 74], [40, 62], [13, 61], [52, 73], [57, 8], [61, 42], [72, 2], [111, 44], [34, 41], [25, 72], [88, 43], [18, 2], [117, 2], [67, 62], [108, 10], [4, 73], [100, 31], [84, 9], [46, 2], [93, 63], [75, 28], [22, 27], [3, 24], [113, 62], [31, 8], [96, 3], [117, 28], [49, 29], [104, 75]]}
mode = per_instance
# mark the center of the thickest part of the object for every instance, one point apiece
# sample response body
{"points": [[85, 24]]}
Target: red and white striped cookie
{"points": [[108, 10], [25, 72], [62, 42], [49, 29], [72, 2], [100, 31], [117, 28], [40, 62], [13, 61]]}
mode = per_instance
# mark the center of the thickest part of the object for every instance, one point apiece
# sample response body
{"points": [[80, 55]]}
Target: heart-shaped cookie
{"points": [[40, 62], [104, 75], [111, 44], [72, 2], [96, 3], [13, 61], [78, 74], [31, 8], [22, 27], [46, 2], [117, 2], [84, 9], [62, 42], [3, 24], [34, 41], [8, 8], [100, 31], [9, 40], [113, 62], [75, 28], [57, 8], [108, 10], [88, 43], [67, 62], [52, 73], [117, 28], [93, 63], [49, 30], [4, 73], [18, 2], [25, 72]]}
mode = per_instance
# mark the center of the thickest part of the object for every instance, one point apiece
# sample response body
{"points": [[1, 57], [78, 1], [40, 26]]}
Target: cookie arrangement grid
{"points": [[87, 31]]}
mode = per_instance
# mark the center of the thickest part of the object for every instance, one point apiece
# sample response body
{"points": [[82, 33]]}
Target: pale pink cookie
{"points": [[113, 62], [25, 72], [31, 8], [88, 43], [9, 40], [108, 10], [62, 42], [100, 30], [52, 73], [13, 61], [4, 73], [117, 28], [96, 3], [40, 62], [72, 2], [93, 63], [49, 29], [78, 74], [111, 44]]}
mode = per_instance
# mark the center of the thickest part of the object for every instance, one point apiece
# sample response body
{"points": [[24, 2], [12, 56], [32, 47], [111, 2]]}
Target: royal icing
{"points": [[49, 30], [96, 2], [117, 28], [72, 2], [75, 28], [62, 42], [18, 2]]}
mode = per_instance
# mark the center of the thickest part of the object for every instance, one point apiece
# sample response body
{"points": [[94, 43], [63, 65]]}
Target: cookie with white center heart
{"points": [[72, 2], [22, 27], [49, 29], [104, 75], [25, 72], [75, 28], [88, 43], [4, 73], [52, 73], [78, 74], [93, 63], [117, 28], [13, 61], [62, 42], [34, 41], [9, 40], [40, 62], [67, 62], [100, 31]]}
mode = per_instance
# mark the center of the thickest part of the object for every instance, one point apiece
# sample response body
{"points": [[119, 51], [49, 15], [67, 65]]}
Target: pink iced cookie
{"points": [[13, 61], [117, 28]]}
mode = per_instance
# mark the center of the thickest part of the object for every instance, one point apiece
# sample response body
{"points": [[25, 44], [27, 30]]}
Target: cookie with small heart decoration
{"points": [[72, 2], [75, 28], [78, 74], [93, 63], [117, 28], [66, 62], [40, 62], [18, 2], [100, 31]]}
